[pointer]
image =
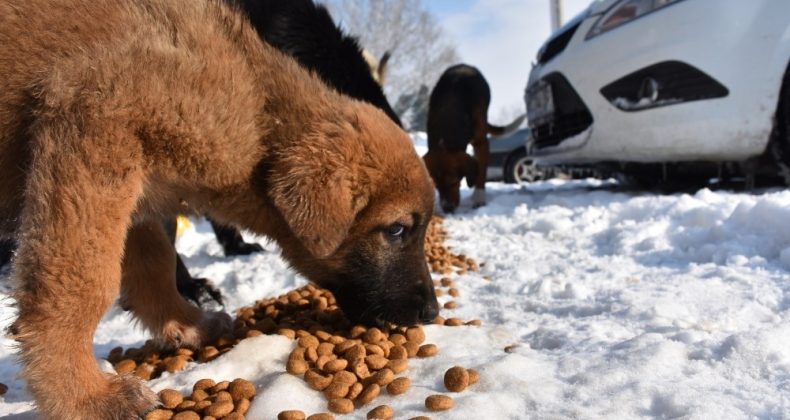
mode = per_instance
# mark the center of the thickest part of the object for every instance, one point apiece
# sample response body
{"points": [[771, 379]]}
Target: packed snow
{"points": [[612, 304]]}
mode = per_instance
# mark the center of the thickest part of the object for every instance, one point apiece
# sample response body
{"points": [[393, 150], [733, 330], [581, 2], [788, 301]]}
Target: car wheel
{"points": [[519, 169]]}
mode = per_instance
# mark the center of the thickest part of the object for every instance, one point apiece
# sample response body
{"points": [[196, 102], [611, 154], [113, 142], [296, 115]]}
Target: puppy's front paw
{"points": [[478, 198], [125, 398]]}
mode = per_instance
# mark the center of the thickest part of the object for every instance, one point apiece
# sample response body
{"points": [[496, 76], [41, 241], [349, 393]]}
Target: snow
{"points": [[613, 304]]}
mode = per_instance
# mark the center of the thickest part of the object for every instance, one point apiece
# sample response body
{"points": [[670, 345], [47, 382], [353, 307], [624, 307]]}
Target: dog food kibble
{"points": [[383, 377], [427, 350], [376, 362], [368, 394], [456, 379], [474, 376], [420, 418], [242, 406], [241, 389], [291, 415], [415, 334], [453, 322], [397, 365], [354, 390], [186, 415], [199, 395], [336, 390], [203, 384], [475, 322], [159, 414], [438, 403], [399, 386], [341, 406], [219, 409], [450, 305], [170, 398], [185, 405], [321, 416], [317, 380], [125, 366], [335, 366], [296, 366], [382, 412]]}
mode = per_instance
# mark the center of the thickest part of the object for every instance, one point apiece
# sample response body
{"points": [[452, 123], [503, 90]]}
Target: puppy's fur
{"points": [[116, 115], [458, 116]]}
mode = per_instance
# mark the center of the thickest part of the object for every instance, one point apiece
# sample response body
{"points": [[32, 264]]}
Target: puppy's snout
{"points": [[429, 312]]}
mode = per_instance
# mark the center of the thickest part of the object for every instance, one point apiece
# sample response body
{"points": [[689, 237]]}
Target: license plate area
{"points": [[540, 103]]}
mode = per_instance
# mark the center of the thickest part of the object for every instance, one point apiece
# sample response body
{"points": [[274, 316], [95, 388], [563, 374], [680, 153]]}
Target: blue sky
{"points": [[501, 38]]}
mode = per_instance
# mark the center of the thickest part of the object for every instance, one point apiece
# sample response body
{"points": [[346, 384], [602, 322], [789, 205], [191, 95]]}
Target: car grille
{"points": [[571, 116]]}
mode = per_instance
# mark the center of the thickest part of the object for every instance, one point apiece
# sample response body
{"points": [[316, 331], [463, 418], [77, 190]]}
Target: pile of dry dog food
{"points": [[350, 364]]}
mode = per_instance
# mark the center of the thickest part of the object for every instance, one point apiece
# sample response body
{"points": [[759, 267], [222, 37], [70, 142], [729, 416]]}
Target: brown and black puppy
{"points": [[117, 115], [458, 116]]}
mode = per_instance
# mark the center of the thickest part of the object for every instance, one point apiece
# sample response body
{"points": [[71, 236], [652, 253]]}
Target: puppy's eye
{"points": [[396, 230]]}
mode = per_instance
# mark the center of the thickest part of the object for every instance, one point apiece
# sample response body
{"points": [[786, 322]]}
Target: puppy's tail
{"points": [[498, 131]]}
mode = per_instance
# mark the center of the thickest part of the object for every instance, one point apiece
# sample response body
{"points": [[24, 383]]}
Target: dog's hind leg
{"points": [[83, 185], [481, 151], [148, 290]]}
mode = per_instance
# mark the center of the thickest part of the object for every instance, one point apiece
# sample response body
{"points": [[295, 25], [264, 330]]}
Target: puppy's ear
{"points": [[319, 195], [470, 170]]}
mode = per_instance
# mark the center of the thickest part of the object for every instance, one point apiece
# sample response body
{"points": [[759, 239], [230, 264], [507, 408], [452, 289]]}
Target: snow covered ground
{"points": [[619, 304]]}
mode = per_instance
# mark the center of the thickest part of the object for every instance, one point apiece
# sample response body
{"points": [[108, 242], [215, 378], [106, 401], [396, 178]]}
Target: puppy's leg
{"points": [[80, 194], [148, 289]]}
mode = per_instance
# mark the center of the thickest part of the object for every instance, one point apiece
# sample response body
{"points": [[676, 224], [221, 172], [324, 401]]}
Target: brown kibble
{"points": [[438, 403], [232, 416], [343, 347], [450, 305], [185, 405], [287, 332], [252, 333], [376, 361], [368, 394], [453, 292], [357, 331], [415, 334], [170, 398], [296, 366], [321, 361], [355, 352], [242, 406], [398, 352], [291, 415], [220, 386], [199, 395], [222, 396], [336, 365], [399, 386], [438, 320], [383, 377], [373, 336], [397, 339], [241, 389], [453, 322], [203, 384], [326, 349], [344, 377], [420, 418], [354, 391], [317, 380], [219, 409], [361, 369], [125, 366], [474, 322], [374, 349], [202, 405], [159, 414], [186, 415], [341, 406], [208, 353], [321, 416], [398, 365], [427, 350], [446, 282], [474, 376], [411, 348], [336, 390], [382, 412], [456, 379], [308, 341]]}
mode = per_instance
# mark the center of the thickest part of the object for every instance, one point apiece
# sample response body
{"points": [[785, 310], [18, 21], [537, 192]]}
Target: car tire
{"points": [[519, 169]]}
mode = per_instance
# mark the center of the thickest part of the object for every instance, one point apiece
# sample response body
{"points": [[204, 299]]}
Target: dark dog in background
{"points": [[458, 116], [305, 31]]}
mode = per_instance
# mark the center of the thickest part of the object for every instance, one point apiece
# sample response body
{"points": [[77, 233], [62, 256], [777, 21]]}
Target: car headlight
{"points": [[626, 11]]}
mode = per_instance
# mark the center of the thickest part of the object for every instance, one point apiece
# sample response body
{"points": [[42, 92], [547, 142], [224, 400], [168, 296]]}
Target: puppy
{"points": [[458, 116], [117, 115]]}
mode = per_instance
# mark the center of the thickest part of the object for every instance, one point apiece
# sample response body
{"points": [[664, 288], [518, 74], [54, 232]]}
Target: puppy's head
{"points": [[357, 201], [447, 170]]}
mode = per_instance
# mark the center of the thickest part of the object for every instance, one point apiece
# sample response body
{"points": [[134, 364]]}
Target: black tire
{"points": [[519, 169]]}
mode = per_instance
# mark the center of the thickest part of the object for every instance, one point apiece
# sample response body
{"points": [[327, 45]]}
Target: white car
{"points": [[634, 82]]}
